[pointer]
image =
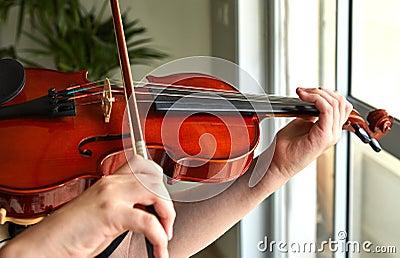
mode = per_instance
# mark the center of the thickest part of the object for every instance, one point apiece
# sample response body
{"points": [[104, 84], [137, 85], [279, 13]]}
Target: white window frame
{"points": [[342, 148], [344, 209], [297, 199]]}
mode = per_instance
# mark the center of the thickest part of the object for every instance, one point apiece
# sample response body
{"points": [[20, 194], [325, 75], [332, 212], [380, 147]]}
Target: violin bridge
{"points": [[19, 221], [107, 100]]}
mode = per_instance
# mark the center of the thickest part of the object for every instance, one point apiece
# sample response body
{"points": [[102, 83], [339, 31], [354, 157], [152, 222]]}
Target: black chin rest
{"points": [[12, 79]]}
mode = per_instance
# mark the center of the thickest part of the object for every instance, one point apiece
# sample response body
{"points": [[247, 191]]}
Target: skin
{"points": [[84, 227]]}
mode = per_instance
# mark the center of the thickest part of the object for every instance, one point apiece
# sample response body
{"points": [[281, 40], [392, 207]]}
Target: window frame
{"points": [[342, 150], [343, 190]]}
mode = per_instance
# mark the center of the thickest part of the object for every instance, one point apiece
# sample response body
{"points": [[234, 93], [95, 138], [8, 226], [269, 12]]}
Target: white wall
{"points": [[180, 28]]}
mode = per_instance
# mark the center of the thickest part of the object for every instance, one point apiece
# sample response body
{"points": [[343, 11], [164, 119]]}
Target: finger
{"points": [[141, 221], [163, 209], [132, 195], [139, 165], [146, 172], [155, 194], [166, 214], [150, 175], [337, 124], [344, 105], [324, 104]]}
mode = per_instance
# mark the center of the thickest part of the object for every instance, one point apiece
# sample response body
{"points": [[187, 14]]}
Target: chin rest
{"points": [[12, 79]]}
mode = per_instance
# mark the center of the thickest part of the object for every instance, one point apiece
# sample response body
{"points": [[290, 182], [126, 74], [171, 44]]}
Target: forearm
{"points": [[200, 223], [31, 245]]}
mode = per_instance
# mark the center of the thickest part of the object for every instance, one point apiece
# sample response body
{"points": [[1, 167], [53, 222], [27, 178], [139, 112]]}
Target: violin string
{"points": [[88, 103], [183, 88], [85, 95], [198, 94], [215, 105], [208, 97], [176, 87], [73, 90], [228, 95], [196, 89]]}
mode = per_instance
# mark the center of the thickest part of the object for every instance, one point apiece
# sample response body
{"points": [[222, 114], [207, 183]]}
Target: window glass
{"points": [[375, 178], [376, 54], [374, 209]]}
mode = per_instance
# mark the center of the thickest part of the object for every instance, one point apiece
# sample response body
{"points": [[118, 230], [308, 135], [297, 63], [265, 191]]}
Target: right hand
{"points": [[85, 226]]}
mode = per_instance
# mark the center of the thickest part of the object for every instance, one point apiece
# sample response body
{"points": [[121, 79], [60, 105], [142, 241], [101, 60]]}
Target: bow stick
{"points": [[138, 143]]}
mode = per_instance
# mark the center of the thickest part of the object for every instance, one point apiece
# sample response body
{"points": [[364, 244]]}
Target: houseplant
{"points": [[75, 38]]}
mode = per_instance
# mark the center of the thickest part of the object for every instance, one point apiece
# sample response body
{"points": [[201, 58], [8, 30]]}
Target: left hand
{"points": [[303, 140]]}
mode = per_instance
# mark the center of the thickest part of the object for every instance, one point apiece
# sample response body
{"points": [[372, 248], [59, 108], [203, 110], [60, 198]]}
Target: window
{"points": [[371, 32], [375, 179]]}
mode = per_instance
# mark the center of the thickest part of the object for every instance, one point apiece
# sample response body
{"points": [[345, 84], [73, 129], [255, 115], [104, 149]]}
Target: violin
{"points": [[61, 133]]}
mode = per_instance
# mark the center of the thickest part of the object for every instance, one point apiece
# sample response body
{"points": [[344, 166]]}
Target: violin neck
{"points": [[215, 102]]}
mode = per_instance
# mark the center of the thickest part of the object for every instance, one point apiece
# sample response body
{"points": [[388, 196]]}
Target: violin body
{"points": [[41, 167]]}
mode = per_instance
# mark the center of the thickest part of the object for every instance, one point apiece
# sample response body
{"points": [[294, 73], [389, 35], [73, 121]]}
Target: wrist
{"points": [[35, 241], [276, 176]]}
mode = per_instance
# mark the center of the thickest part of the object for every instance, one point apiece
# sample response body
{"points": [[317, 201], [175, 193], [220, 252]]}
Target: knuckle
{"points": [[105, 186], [335, 103], [107, 205], [157, 176], [105, 189], [170, 212], [329, 108], [342, 101], [349, 106], [148, 219]]}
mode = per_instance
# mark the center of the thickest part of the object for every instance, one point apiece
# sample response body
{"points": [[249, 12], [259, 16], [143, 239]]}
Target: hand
{"points": [[87, 225], [303, 140]]}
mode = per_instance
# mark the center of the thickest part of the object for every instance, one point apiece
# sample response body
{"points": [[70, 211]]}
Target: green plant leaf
{"points": [[78, 39]]}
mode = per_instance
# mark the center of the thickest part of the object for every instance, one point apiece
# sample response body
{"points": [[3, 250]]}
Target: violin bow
{"points": [[138, 143]]}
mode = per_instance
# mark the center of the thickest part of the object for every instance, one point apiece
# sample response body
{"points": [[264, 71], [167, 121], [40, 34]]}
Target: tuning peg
{"points": [[366, 138], [375, 145], [361, 133]]}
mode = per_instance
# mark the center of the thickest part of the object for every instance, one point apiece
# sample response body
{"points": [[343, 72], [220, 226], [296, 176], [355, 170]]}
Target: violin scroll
{"points": [[379, 124]]}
